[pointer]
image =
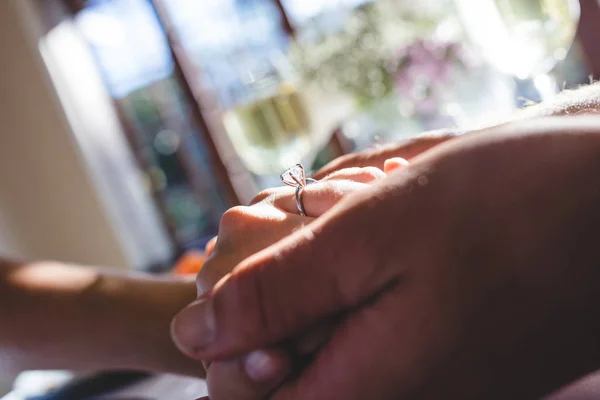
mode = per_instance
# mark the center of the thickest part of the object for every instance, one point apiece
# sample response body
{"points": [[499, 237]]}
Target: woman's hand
{"points": [[273, 215], [245, 231]]}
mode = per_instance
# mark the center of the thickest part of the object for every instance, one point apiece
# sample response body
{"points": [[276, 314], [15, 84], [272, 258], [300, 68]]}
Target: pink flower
{"points": [[423, 68]]}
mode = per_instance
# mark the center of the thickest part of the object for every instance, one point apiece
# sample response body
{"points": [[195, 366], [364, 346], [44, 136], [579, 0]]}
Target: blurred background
{"points": [[127, 127]]}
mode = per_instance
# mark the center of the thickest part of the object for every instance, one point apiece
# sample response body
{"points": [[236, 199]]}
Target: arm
{"points": [[580, 101], [66, 317]]}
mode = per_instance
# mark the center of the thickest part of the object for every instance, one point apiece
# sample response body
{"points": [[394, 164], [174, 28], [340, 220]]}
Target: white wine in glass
{"points": [[269, 124], [523, 38], [272, 132]]}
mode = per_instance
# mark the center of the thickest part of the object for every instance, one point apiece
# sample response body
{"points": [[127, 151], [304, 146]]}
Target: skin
{"points": [[490, 282], [59, 316], [245, 231], [129, 326], [86, 319], [581, 101], [273, 215]]}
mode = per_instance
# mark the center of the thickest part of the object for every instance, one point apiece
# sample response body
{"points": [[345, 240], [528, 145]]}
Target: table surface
{"points": [[162, 388], [175, 388], [168, 387]]}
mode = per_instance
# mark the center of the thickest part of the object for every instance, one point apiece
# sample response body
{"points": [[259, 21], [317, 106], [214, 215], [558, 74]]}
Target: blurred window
{"points": [[159, 81], [134, 58]]}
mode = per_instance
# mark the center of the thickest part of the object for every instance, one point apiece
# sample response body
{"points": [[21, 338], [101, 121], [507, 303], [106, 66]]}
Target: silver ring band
{"points": [[299, 191], [295, 177], [301, 209]]}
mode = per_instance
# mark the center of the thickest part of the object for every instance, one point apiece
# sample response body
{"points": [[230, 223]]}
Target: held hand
{"points": [[376, 157], [245, 231], [473, 274], [273, 215]]}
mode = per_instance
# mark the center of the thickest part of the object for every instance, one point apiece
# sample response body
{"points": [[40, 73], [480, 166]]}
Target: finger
{"points": [[394, 163], [348, 359], [360, 175], [312, 341], [271, 296], [363, 175], [245, 231], [210, 247], [252, 377], [317, 198], [377, 157], [270, 193]]}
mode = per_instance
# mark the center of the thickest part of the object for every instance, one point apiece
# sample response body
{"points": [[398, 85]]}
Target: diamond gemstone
{"points": [[294, 176]]}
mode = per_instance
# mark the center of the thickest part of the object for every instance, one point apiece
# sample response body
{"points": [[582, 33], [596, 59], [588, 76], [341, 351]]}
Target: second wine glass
{"points": [[523, 38]]}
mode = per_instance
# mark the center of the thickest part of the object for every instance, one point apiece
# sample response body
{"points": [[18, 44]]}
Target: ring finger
{"points": [[316, 198]]}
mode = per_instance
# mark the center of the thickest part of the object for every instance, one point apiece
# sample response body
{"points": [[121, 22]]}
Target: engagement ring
{"points": [[295, 177]]}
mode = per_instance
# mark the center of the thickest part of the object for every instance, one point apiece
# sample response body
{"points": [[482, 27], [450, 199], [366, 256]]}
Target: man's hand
{"points": [[472, 274]]}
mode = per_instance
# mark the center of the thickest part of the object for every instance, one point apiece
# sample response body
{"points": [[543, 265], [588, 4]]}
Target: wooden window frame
{"points": [[203, 114]]}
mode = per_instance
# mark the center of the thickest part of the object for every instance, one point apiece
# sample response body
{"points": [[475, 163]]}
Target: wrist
{"points": [[163, 354], [143, 309]]}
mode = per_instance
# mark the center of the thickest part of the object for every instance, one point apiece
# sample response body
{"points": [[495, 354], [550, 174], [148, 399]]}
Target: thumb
{"points": [[322, 270]]}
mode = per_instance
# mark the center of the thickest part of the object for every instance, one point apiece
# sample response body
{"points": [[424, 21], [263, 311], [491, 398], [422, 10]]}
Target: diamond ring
{"points": [[295, 177]]}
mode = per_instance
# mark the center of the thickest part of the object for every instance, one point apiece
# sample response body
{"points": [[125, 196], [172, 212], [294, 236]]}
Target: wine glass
{"points": [[523, 38], [269, 124]]}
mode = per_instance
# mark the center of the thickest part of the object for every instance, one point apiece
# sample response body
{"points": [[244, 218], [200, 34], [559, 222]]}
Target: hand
{"points": [[472, 275], [376, 157], [273, 215], [245, 231]]}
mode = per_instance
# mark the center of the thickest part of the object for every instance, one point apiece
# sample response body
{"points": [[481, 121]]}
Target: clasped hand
{"points": [[471, 274]]}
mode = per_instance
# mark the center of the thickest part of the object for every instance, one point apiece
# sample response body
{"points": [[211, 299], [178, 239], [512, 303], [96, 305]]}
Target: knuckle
{"points": [[263, 195], [257, 297], [276, 315], [265, 315], [234, 219]]}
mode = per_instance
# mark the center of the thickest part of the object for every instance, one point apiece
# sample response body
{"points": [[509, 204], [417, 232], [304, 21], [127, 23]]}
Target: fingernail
{"points": [[395, 163], [260, 367], [194, 328]]}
